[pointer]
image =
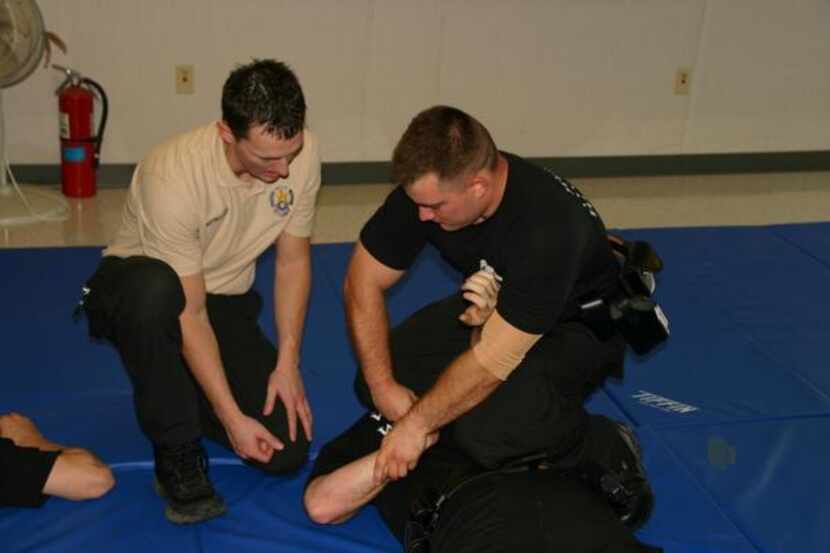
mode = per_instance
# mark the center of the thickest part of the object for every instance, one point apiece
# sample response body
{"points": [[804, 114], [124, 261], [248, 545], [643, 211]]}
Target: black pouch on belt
{"points": [[630, 309]]}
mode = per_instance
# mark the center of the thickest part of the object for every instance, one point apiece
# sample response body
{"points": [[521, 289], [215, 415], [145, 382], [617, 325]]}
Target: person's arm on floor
{"points": [[201, 350], [292, 286], [77, 474], [366, 282], [336, 497]]}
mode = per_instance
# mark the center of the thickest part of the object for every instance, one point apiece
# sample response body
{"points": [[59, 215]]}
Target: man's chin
{"points": [[450, 228]]}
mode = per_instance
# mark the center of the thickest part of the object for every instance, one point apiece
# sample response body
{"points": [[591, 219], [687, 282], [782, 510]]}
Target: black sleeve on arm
{"points": [[23, 473], [541, 274], [394, 235]]}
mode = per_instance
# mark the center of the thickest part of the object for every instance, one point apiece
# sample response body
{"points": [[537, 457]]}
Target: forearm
{"points": [[337, 496], [201, 351], [292, 287], [368, 323], [462, 386]]}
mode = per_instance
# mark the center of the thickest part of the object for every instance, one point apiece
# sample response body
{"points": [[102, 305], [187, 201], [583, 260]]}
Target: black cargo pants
{"points": [[135, 304]]}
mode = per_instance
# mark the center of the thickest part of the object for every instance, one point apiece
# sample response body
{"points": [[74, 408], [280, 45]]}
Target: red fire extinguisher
{"points": [[80, 148]]}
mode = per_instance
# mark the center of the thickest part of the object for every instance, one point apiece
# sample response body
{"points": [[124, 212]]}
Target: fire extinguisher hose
{"points": [[99, 136]]}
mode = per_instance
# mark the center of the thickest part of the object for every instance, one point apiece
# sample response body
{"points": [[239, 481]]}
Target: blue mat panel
{"points": [[42, 346], [769, 477], [264, 515], [733, 412], [745, 341]]}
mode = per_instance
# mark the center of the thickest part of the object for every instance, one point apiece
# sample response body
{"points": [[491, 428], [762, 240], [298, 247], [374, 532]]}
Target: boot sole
{"points": [[190, 513]]}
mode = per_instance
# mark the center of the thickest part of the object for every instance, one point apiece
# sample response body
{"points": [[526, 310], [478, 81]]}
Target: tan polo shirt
{"points": [[186, 207]]}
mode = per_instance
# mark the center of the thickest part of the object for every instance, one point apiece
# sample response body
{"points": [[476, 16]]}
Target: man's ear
{"points": [[479, 185], [225, 132]]}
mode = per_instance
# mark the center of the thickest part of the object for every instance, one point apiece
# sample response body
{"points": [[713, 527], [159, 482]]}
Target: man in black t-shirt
{"points": [[502, 368], [528, 508], [33, 468]]}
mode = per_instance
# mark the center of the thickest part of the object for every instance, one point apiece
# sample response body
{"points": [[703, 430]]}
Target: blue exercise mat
{"points": [[733, 412]]}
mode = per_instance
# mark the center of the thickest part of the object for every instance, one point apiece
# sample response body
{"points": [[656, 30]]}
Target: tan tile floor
{"points": [[623, 202]]}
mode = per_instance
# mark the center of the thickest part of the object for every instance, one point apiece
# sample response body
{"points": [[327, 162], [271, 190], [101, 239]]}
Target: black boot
{"points": [[182, 479], [612, 464]]}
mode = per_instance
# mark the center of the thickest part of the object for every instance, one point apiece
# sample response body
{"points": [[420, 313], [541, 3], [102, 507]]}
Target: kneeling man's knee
{"points": [[290, 459]]}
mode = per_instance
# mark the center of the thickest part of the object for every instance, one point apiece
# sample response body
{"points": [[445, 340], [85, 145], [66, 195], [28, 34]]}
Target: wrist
{"points": [[288, 354], [415, 423], [284, 365], [228, 415], [380, 382]]}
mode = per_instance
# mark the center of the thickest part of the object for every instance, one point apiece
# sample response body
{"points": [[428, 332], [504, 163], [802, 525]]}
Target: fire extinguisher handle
{"points": [[99, 135]]}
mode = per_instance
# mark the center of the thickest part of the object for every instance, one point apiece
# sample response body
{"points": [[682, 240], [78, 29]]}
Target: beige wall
{"points": [[556, 77]]}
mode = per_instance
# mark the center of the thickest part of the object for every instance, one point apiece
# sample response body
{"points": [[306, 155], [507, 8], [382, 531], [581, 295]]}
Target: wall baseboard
{"points": [[116, 175]]}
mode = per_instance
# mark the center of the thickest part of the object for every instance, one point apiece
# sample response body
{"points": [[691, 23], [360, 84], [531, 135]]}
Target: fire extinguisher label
{"points": [[63, 122], [74, 154]]}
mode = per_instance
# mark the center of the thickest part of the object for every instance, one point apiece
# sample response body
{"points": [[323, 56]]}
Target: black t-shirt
{"points": [[23, 473], [533, 511], [545, 240]]}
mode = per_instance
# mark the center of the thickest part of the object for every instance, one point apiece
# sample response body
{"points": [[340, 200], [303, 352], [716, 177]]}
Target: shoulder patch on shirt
{"points": [[281, 199]]}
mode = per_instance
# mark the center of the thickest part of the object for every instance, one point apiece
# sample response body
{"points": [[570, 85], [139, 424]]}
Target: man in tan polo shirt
{"points": [[173, 291]]}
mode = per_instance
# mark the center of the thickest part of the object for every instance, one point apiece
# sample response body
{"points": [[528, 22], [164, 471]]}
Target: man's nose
{"points": [[281, 168]]}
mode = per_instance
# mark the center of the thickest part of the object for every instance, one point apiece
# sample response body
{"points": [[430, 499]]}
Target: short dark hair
{"points": [[267, 93], [442, 140]]}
